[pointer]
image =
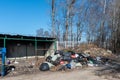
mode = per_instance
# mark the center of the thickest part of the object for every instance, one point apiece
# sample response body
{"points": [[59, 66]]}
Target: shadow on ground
{"points": [[112, 70]]}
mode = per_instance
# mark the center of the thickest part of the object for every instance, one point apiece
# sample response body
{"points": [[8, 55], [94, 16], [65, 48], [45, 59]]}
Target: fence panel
{"points": [[67, 44]]}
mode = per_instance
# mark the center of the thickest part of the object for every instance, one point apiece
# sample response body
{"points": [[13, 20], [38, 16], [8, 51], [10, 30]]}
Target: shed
{"points": [[27, 46]]}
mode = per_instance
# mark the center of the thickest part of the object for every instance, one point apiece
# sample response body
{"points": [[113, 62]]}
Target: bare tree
{"points": [[115, 29], [69, 15], [53, 18], [40, 32], [99, 19], [46, 34]]}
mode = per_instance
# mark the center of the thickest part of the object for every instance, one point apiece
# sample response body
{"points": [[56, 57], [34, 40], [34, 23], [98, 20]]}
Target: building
{"points": [[27, 46]]}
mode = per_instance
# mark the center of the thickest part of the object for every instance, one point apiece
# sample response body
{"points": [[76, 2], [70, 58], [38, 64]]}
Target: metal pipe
{"points": [[55, 47], [35, 47], [4, 44]]}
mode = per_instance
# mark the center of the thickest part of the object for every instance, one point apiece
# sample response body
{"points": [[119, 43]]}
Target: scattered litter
{"points": [[16, 62], [91, 65], [78, 65]]}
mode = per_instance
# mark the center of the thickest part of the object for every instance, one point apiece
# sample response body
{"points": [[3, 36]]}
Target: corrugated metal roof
{"points": [[26, 37]]}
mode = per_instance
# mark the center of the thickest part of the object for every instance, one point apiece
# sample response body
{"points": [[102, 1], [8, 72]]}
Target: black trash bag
{"points": [[105, 59], [66, 57], [81, 55], [67, 54], [12, 67], [49, 59], [59, 52], [44, 67], [92, 59], [76, 60]]}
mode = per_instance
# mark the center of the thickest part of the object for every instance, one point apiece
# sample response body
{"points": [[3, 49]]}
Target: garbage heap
{"points": [[65, 60]]}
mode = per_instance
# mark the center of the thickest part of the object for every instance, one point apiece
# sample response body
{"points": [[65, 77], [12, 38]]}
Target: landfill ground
{"points": [[83, 74]]}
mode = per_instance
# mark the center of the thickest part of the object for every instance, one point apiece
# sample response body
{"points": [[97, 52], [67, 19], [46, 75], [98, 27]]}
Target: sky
{"points": [[23, 16]]}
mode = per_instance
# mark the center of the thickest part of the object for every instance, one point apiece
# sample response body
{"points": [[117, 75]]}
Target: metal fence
{"points": [[67, 44]]}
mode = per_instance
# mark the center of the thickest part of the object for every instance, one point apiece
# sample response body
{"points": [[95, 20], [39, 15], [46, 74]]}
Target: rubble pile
{"points": [[99, 52], [80, 48]]}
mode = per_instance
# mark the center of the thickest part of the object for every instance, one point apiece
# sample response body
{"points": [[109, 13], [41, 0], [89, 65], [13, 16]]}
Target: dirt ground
{"points": [[84, 74]]}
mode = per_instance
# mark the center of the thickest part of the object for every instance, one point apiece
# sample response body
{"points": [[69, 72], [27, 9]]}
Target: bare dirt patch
{"points": [[84, 74]]}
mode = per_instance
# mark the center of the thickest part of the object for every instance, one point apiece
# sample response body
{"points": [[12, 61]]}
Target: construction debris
{"points": [[98, 52]]}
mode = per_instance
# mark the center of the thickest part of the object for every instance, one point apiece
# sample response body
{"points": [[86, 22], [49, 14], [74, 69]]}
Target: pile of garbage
{"points": [[62, 60]]}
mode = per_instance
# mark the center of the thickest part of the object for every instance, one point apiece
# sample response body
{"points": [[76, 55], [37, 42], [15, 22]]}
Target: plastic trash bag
{"points": [[44, 67], [73, 56], [56, 62], [48, 59], [78, 65], [90, 63], [59, 52], [49, 64], [66, 57], [68, 66], [72, 63], [62, 62], [55, 57]]}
